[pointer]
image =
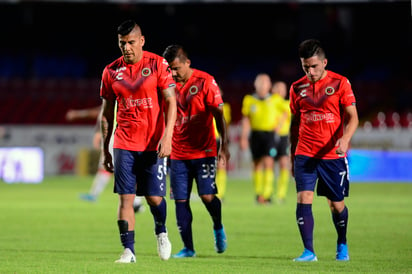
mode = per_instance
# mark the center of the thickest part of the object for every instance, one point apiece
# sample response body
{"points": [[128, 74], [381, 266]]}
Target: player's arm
{"points": [[223, 153], [244, 134], [352, 124], [81, 114], [165, 144], [106, 127]]}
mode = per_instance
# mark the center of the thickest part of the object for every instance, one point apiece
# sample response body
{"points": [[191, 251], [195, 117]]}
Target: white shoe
{"points": [[127, 257], [164, 247]]}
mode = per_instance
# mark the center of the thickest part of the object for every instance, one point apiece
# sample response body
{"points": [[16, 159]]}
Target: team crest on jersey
{"points": [[193, 90], [329, 90], [146, 72]]}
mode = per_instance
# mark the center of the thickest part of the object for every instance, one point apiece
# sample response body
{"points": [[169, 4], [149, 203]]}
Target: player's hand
{"points": [[108, 162], [165, 148], [71, 115], [223, 156], [341, 147]]}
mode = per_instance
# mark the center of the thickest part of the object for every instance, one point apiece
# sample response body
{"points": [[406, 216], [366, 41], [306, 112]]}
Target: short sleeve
{"points": [[347, 97], [106, 90]]}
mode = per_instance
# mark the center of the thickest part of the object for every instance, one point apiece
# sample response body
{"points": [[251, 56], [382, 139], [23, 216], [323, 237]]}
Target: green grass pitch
{"points": [[45, 228]]}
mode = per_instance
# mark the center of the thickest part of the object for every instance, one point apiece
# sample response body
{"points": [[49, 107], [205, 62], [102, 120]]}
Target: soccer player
{"points": [[194, 147], [283, 116], [258, 134], [142, 87], [324, 119], [102, 176]]}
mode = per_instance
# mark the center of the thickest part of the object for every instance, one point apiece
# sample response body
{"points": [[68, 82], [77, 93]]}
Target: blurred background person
{"points": [[257, 133], [283, 117], [102, 177], [221, 173]]}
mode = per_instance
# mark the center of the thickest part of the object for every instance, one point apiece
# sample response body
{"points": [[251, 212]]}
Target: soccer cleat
{"points": [[88, 197], [307, 256], [185, 253], [220, 240], [342, 253], [164, 247], [127, 257]]}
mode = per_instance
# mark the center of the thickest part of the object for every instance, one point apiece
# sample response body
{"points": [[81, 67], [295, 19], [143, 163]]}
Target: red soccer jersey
{"points": [[194, 135], [320, 106], [137, 90]]}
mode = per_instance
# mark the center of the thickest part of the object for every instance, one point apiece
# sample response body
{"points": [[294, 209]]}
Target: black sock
{"points": [[340, 220], [215, 211], [159, 216], [126, 236], [184, 222], [304, 218]]}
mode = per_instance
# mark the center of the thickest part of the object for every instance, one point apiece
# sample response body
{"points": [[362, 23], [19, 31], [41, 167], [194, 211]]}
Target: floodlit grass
{"points": [[45, 228]]}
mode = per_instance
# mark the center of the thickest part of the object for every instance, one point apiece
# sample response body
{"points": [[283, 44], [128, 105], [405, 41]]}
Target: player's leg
{"points": [[283, 179], [181, 188], [221, 176], [205, 176], [100, 180], [268, 178], [125, 181], [257, 172], [221, 181], [152, 185], [284, 170], [335, 187], [305, 176]]}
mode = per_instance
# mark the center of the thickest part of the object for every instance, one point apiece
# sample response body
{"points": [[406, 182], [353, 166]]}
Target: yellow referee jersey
{"points": [[283, 114], [227, 113], [262, 112]]}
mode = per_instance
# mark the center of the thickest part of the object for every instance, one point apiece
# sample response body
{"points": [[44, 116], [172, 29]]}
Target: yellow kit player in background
{"points": [[258, 134], [282, 157], [221, 174]]}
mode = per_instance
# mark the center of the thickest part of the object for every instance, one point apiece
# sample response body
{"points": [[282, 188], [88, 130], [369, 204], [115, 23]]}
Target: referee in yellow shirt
{"points": [[258, 133], [283, 116]]}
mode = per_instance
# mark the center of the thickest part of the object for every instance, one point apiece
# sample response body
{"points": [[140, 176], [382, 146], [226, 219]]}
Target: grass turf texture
{"points": [[45, 228]]}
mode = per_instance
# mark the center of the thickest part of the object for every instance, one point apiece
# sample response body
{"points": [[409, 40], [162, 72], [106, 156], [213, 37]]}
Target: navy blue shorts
{"points": [[332, 176], [182, 173], [140, 173]]}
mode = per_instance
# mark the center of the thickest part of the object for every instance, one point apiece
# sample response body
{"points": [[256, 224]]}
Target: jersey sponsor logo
{"points": [[303, 93], [329, 90], [317, 117], [303, 86], [140, 102], [193, 90], [146, 72]]}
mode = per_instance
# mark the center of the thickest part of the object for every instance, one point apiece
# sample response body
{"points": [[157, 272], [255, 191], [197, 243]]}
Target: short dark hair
{"points": [[311, 47], [126, 27], [175, 51]]}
